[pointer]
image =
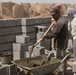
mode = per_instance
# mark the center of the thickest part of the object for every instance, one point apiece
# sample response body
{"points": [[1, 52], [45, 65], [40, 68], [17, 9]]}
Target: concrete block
{"points": [[6, 46], [38, 35], [22, 39], [43, 43], [20, 71], [46, 19], [43, 24], [27, 55], [5, 31], [16, 29], [52, 53], [20, 47], [20, 33], [40, 29], [31, 35], [48, 42], [47, 51], [14, 74], [9, 38], [2, 39], [27, 29], [11, 22], [33, 41], [74, 67], [3, 70], [2, 23], [27, 21], [18, 20], [47, 47], [38, 20], [12, 69], [18, 55], [38, 50]]}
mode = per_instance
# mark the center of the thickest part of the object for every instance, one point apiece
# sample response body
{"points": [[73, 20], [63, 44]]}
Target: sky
{"points": [[42, 1]]}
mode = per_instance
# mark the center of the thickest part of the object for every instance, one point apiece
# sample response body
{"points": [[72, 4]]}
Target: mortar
{"points": [[38, 65]]}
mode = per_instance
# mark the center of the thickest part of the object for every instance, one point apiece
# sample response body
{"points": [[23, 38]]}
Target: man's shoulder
{"points": [[62, 20], [74, 19]]}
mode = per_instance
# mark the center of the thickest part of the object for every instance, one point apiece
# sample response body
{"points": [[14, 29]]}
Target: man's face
{"points": [[56, 16]]}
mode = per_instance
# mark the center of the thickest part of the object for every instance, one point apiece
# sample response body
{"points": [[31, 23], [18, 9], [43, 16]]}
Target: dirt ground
{"points": [[69, 68]]}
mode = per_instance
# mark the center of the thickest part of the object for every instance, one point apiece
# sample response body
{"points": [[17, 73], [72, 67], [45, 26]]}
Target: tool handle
{"points": [[65, 57], [44, 34]]}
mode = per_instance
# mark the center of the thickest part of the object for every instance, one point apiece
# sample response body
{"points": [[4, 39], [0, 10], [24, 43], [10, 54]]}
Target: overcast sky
{"points": [[41, 1]]}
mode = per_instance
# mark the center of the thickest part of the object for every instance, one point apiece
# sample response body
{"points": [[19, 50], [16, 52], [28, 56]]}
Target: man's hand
{"points": [[42, 37], [54, 23]]}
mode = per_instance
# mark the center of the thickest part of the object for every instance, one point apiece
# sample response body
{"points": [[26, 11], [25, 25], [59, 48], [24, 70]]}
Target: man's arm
{"points": [[54, 32]]}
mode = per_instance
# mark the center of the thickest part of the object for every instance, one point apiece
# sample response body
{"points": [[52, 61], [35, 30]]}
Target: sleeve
{"points": [[73, 23], [54, 32]]}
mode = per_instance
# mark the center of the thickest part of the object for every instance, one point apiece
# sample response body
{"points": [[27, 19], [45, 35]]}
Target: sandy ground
{"points": [[69, 68]]}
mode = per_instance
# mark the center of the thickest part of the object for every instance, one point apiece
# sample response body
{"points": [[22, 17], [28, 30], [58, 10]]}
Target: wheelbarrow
{"points": [[39, 65]]}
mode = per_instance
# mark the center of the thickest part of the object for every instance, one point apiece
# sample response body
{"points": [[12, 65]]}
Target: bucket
{"points": [[6, 58]]}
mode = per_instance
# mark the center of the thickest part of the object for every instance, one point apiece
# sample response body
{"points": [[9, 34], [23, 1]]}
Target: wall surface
{"points": [[9, 29]]}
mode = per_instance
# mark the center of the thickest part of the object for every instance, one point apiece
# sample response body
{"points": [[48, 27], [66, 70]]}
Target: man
{"points": [[73, 31], [74, 36], [60, 33], [59, 6], [70, 12]]}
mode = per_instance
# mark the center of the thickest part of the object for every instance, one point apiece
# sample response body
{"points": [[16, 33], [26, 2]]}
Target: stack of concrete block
{"points": [[48, 44], [3, 71], [38, 50], [45, 42], [20, 47], [20, 71], [28, 28], [12, 69], [39, 32], [8, 69], [27, 55], [74, 67], [41, 29], [8, 30]]}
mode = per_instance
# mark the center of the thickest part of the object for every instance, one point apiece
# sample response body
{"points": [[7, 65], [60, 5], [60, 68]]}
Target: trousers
{"points": [[74, 49]]}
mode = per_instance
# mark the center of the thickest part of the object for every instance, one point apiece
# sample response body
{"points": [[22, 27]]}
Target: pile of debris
{"points": [[14, 10]]}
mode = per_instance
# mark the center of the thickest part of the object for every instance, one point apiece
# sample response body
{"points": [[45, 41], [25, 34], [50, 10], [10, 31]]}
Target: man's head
{"points": [[55, 12], [71, 12], [58, 5]]}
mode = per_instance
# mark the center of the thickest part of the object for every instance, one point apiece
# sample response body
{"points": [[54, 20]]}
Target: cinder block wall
{"points": [[29, 24], [9, 29]]}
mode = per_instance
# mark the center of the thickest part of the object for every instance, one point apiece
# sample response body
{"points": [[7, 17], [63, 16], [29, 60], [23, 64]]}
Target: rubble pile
{"points": [[15, 10]]}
